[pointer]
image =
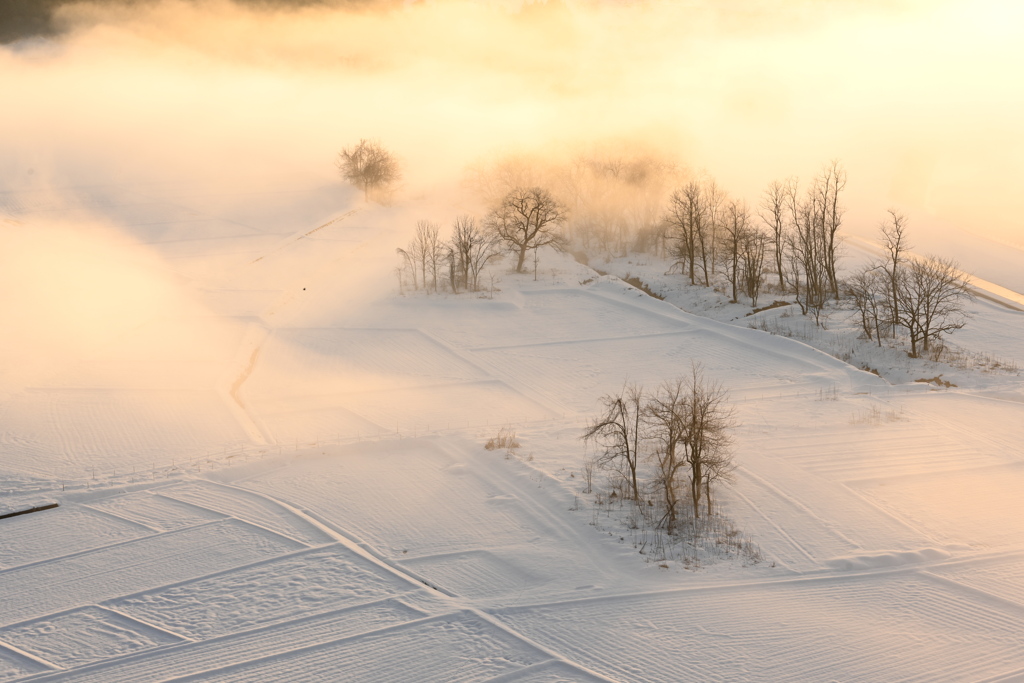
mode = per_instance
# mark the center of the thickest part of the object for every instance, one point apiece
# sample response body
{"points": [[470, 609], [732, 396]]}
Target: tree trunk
{"points": [[695, 494]]}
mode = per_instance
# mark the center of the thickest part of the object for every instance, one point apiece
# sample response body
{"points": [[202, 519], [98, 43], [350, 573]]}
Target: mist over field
{"points": [[920, 100], [270, 414]]}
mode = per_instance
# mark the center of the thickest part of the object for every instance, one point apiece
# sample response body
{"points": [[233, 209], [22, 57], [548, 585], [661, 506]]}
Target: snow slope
{"points": [[296, 488]]}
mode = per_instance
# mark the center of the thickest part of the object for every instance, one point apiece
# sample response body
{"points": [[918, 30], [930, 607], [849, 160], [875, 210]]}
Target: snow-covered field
{"points": [[271, 468]]}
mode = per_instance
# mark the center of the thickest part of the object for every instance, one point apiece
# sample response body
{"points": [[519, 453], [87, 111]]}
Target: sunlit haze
{"points": [[920, 100], [581, 340]]}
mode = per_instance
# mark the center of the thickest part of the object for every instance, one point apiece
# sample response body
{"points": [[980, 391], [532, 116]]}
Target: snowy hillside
{"points": [[270, 466]]}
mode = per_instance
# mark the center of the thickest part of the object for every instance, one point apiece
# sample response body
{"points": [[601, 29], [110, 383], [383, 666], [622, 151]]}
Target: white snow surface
{"points": [[284, 479]]}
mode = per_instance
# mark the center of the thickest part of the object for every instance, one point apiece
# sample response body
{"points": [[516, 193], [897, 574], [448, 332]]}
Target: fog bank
{"points": [[920, 100]]}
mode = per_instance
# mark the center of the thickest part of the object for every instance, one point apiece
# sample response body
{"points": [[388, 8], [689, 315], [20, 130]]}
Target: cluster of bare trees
{"points": [[924, 297], [804, 229], [708, 231], [621, 199], [525, 220], [455, 264], [677, 435]]}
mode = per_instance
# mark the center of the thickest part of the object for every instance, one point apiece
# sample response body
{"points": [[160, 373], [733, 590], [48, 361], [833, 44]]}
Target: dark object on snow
{"points": [[39, 508]]}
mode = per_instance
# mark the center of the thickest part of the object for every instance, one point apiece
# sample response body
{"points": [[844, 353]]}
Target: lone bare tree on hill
{"points": [[527, 219], [368, 166]]}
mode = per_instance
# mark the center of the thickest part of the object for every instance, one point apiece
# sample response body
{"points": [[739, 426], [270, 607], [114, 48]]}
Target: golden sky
{"points": [[922, 101]]}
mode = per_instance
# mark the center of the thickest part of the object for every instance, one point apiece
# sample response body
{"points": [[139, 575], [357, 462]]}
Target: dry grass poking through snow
{"points": [[876, 416], [695, 543], [506, 441]]}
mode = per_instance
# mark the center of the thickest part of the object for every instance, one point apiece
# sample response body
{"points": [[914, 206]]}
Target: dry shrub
{"points": [[504, 441]]}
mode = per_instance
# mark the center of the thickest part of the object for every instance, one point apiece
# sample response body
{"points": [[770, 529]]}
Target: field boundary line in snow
{"points": [[824, 576], [185, 639], [983, 558], [216, 574], [539, 667], [102, 608], [21, 654], [591, 340], [371, 553], [241, 519], [196, 647], [643, 303], [302, 234], [511, 383], [977, 593], [344, 539], [108, 546], [543, 510], [114, 515], [447, 616], [552, 654]]}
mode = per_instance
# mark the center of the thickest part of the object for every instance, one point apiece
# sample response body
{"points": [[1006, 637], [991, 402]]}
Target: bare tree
{"points": [[408, 266], [707, 421], [773, 214], [807, 245], [932, 294], [368, 166], [714, 198], [423, 255], [617, 431], [689, 420], [693, 217], [752, 262], [867, 289], [428, 247], [527, 219], [894, 239], [735, 230], [686, 217], [828, 186], [665, 413], [471, 248]]}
